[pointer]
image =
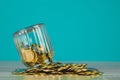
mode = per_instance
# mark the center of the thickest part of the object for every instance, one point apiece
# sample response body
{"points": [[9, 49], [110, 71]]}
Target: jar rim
{"points": [[27, 29]]}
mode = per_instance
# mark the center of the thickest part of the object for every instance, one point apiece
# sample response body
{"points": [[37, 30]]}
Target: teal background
{"points": [[80, 30]]}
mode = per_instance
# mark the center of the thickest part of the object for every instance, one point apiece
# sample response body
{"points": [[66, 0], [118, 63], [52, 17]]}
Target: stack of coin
{"points": [[60, 69]]}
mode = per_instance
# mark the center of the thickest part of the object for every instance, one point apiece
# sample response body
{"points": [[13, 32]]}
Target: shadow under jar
{"points": [[33, 45]]}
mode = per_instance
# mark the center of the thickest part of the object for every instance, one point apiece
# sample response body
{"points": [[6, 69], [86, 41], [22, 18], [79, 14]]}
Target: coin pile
{"points": [[35, 58], [60, 69]]}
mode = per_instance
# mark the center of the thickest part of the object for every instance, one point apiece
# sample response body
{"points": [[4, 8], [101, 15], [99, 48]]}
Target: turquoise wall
{"points": [[80, 30]]}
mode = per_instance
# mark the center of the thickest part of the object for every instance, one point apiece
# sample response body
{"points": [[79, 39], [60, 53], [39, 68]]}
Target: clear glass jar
{"points": [[34, 45]]}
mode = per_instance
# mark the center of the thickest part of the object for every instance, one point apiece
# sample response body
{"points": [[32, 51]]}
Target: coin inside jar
{"points": [[34, 55]]}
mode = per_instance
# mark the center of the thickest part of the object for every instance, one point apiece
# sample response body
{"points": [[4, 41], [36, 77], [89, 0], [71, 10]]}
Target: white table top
{"points": [[111, 72]]}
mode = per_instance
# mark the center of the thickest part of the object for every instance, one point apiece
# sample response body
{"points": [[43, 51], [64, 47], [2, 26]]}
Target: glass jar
{"points": [[33, 45]]}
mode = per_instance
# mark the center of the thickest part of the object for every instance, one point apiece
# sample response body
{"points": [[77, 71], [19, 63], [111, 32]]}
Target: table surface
{"points": [[111, 72]]}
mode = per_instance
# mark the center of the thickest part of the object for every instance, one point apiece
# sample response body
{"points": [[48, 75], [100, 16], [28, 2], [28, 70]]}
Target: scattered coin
{"points": [[36, 60], [57, 69]]}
